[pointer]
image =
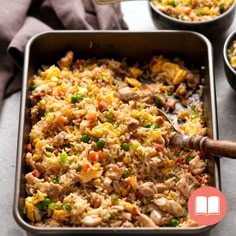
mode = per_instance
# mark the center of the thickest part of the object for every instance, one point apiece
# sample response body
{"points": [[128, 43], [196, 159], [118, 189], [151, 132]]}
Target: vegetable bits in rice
{"points": [[193, 10], [98, 150], [231, 53]]}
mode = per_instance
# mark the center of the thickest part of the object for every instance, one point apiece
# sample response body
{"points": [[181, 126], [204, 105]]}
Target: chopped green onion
{"points": [[49, 149], [156, 126], [63, 158], [147, 125], [100, 143], [76, 97], [137, 118], [115, 198], [79, 168], [188, 159], [125, 146], [198, 13], [174, 222], [185, 215], [52, 206], [147, 211], [40, 206], [23, 210], [112, 215], [125, 174], [204, 118], [85, 138], [66, 207], [109, 115], [33, 87], [173, 3]]}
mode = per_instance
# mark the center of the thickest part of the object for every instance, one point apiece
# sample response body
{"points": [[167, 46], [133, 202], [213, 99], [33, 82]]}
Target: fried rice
{"points": [[193, 10], [98, 153]]}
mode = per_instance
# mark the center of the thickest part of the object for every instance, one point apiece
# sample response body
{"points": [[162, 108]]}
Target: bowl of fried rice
{"points": [[204, 16], [229, 53]]}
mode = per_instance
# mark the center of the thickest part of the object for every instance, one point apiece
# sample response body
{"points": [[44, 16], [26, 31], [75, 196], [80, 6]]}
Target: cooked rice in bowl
{"points": [[193, 10], [98, 153]]}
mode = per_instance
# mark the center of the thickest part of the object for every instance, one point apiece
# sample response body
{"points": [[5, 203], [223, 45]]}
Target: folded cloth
{"points": [[20, 20]]}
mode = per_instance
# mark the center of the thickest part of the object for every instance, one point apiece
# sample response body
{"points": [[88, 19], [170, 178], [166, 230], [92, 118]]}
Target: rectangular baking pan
{"points": [[48, 47]]}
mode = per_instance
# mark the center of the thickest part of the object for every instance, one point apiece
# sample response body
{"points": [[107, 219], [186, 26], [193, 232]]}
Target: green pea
{"points": [[125, 146], [100, 143], [147, 125], [188, 159], [85, 138], [46, 201], [174, 222], [49, 149]]}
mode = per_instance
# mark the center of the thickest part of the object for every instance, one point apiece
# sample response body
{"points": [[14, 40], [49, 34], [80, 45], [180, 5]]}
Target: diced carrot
{"points": [[29, 147], [158, 147], [93, 156], [180, 160], [187, 10], [60, 120], [85, 167], [153, 61], [92, 116], [100, 154], [61, 90], [35, 173], [131, 181], [159, 120], [102, 105], [79, 62]]}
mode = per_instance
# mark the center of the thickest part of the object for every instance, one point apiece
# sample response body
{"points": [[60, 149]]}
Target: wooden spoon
{"points": [[217, 147]]}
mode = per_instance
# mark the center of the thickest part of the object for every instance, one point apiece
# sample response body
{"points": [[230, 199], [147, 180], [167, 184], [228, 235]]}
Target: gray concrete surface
{"points": [[137, 16]]}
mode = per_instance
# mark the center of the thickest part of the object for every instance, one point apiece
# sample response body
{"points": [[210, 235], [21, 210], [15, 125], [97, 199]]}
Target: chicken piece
{"points": [[116, 186], [95, 200], [113, 172], [181, 91], [127, 224], [66, 60], [70, 178], [60, 138], [197, 165], [169, 206], [187, 184], [133, 124], [44, 89], [145, 221], [156, 216], [91, 221], [125, 94], [161, 187], [107, 184], [52, 190], [146, 189], [171, 104], [193, 81], [189, 223]]}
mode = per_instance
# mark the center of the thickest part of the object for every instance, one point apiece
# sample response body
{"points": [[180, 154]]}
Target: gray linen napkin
{"points": [[20, 20]]}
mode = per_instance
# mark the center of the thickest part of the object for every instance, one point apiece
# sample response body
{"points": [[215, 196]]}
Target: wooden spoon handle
{"points": [[217, 147]]}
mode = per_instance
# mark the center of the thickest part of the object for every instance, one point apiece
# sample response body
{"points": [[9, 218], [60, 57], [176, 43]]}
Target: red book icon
{"points": [[207, 205]]}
